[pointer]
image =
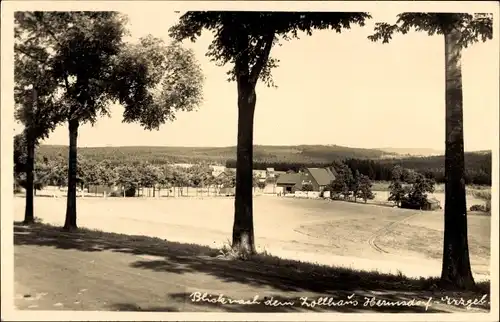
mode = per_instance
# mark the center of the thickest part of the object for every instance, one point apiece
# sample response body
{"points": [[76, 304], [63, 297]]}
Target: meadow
{"points": [[319, 231]]}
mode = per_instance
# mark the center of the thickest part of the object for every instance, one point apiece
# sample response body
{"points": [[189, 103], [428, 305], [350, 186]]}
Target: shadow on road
{"points": [[263, 271]]}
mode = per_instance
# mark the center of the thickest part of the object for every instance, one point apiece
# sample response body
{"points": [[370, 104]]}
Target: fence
{"points": [[307, 194]]}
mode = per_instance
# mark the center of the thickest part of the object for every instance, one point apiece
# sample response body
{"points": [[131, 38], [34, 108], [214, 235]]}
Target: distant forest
{"points": [[376, 164], [477, 167], [162, 155]]}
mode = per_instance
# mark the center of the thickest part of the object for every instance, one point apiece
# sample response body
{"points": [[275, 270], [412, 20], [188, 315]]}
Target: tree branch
{"points": [[22, 51], [47, 28], [263, 58]]}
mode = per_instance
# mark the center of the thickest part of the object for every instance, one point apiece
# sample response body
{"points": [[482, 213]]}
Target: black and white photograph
{"points": [[163, 159]]}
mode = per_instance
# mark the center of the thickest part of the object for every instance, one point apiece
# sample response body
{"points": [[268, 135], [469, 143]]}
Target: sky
{"points": [[332, 89]]}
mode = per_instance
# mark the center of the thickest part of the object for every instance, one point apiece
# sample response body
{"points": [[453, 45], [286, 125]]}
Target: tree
{"points": [[396, 189], [397, 173], [42, 175], [261, 185], [396, 192], [409, 176], [365, 188], [20, 156], [417, 196], [128, 178], [59, 173], [200, 175], [93, 175], [36, 99], [79, 48], [459, 30], [96, 68], [149, 176], [245, 40], [107, 174], [343, 181], [167, 180], [355, 185]]}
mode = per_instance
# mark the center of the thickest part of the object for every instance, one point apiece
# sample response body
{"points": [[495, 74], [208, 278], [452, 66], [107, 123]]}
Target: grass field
{"points": [[366, 236]]}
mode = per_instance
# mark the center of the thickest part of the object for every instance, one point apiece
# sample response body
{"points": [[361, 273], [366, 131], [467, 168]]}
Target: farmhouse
{"points": [[318, 178], [432, 204], [289, 182]]}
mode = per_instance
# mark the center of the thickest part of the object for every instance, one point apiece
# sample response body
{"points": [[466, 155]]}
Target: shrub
{"points": [[116, 194], [482, 208], [17, 189], [482, 194], [130, 192], [307, 187]]}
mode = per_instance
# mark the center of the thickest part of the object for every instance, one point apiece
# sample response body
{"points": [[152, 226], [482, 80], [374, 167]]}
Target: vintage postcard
{"points": [[288, 160]]}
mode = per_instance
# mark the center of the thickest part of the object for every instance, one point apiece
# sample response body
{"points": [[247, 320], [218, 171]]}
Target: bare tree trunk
{"points": [[29, 217], [70, 222], [243, 232], [456, 269]]}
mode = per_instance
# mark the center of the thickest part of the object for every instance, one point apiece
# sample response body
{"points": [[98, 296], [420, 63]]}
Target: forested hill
{"points": [[376, 164], [262, 153]]}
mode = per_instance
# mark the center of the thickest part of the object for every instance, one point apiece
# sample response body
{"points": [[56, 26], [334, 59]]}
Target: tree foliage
{"points": [[20, 154], [154, 81], [343, 182], [473, 27], [365, 188], [254, 34]]}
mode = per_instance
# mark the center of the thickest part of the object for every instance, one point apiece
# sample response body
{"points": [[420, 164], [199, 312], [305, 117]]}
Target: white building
{"points": [[217, 170]]}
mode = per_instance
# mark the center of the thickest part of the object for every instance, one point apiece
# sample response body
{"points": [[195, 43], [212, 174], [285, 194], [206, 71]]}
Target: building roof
{"points": [[433, 200], [289, 178], [323, 176], [259, 173], [332, 171]]}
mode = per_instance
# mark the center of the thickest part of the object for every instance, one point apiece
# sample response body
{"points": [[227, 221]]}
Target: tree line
{"points": [[477, 167], [130, 178], [267, 153], [350, 184]]}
